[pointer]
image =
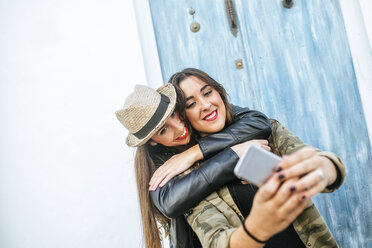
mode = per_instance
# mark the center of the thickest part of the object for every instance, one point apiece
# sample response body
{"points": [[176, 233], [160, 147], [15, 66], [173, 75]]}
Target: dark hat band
{"points": [[155, 119]]}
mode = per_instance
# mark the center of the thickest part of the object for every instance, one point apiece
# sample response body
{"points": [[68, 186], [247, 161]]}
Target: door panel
{"points": [[297, 68], [305, 74], [212, 48]]}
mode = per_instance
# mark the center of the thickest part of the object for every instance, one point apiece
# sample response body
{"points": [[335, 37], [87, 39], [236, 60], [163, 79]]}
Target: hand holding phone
{"points": [[256, 165]]}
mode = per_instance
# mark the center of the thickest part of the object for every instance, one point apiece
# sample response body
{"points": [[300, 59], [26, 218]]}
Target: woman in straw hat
{"points": [[151, 118], [279, 212]]}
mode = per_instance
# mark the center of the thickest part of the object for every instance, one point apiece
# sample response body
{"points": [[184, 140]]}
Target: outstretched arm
{"points": [[275, 206], [319, 171]]}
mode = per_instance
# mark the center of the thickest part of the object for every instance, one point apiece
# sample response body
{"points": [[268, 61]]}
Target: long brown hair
{"points": [[144, 168], [178, 77]]}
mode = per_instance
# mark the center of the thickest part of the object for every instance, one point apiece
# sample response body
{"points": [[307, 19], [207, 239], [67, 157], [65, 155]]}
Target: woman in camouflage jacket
{"points": [[233, 235], [217, 217]]}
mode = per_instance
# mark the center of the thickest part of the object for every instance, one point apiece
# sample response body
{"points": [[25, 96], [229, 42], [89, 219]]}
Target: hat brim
{"points": [[170, 92]]}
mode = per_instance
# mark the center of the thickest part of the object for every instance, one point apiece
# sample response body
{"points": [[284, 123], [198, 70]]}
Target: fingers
{"points": [[162, 174], [239, 149], [166, 179], [293, 206], [267, 148], [258, 142], [312, 184], [157, 174], [304, 188], [311, 179], [295, 158], [154, 177], [155, 181], [284, 192], [315, 189], [263, 142], [268, 189], [301, 168]]}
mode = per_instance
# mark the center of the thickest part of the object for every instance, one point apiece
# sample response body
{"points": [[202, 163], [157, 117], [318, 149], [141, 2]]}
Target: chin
{"points": [[217, 128], [184, 141]]}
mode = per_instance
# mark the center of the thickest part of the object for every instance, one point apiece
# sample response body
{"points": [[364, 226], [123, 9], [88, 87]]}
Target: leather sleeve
{"points": [[185, 191], [248, 125]]}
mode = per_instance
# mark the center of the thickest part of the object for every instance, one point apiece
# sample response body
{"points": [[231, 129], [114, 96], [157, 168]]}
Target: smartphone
{"points": [[256, 165]]}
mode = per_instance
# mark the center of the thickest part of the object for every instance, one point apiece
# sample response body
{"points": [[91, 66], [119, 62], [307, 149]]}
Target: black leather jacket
{"points": [[184, 192]]}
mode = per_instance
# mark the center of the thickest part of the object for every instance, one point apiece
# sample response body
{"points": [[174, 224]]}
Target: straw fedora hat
{"points": [[145, 111]]}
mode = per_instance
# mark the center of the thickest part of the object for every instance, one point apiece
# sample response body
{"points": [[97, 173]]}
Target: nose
{"points": [[205, 105], [176, 125]]}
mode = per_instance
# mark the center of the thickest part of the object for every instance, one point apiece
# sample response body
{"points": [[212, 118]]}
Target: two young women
{"points": [[217, 218]]}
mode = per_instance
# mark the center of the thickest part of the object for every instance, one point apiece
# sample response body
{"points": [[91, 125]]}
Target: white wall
{"points": [[366, 7], [358, 26], [66, 176]]}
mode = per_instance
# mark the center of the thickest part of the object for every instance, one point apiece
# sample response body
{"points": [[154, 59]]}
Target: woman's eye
{"points": [[208, 93], [190, 105], [163, 130], [174, 112]]}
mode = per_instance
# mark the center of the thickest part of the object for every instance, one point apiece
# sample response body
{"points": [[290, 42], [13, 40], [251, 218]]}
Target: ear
{"points": [[153, 143]]}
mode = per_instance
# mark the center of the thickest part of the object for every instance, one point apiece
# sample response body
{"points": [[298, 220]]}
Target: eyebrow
{"points": [[201, 89]]}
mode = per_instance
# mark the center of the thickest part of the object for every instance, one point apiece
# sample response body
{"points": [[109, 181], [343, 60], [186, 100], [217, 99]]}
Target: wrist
{"points": [[256, 231], [329, 170], [252, 236], [196, 153]]}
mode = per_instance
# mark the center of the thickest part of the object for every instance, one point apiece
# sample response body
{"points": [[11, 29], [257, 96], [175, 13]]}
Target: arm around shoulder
{"points": [[248, 125], [185, 191]]}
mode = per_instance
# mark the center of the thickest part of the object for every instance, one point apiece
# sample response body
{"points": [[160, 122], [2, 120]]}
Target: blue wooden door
{"points": [[292, 64]]}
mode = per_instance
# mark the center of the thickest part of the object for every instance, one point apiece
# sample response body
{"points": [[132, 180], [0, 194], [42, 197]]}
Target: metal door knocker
{"points": [[231, 16]]}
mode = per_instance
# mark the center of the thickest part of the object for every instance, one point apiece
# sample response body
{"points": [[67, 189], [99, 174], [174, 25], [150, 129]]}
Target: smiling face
{"points": [[173, 133], [204, 106]]}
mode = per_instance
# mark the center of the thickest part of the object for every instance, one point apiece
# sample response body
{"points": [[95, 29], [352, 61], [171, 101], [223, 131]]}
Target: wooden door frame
{"points": [[357, 28], [147, 39]]}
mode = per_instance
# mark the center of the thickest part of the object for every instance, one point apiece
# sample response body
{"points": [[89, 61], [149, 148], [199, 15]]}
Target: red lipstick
{"points": [[184, 135], [211, 116]]}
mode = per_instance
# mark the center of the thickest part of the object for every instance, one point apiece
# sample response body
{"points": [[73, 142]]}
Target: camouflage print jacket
{"points": [[216, 217]]}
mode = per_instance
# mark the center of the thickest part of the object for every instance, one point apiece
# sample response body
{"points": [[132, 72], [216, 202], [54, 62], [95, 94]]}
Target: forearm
{"points": [[284, 142], [184, 192], [194, 154]]}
